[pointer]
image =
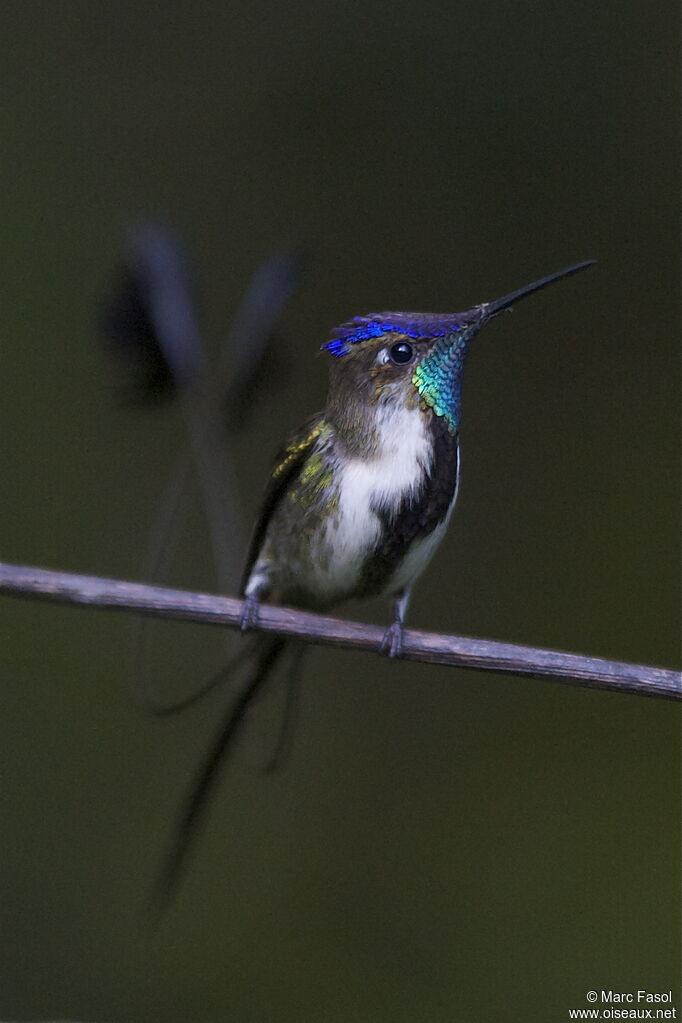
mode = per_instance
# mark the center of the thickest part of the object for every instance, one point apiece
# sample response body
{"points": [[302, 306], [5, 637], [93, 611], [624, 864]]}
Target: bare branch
{"points": [[159, 602]]}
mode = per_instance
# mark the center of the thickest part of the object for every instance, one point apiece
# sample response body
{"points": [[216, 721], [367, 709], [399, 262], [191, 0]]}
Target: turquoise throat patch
{"points": [[438, 377]]}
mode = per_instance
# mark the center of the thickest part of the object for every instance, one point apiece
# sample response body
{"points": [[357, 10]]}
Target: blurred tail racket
{"points": [[151, 323]]}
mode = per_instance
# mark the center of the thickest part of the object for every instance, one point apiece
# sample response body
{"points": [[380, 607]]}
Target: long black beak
{"points": [[489, 309]]}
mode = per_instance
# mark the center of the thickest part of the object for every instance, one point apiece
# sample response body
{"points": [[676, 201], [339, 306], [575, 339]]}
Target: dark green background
{"points": [[444, 846]]}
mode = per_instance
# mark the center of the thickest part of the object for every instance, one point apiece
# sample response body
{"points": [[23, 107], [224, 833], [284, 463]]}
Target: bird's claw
{"points": [[249, 616], [392, 643]]}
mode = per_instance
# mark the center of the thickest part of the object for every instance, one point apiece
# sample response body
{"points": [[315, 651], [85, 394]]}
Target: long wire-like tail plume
{"points": [[195, 806], [163, 710], [292, 683]]}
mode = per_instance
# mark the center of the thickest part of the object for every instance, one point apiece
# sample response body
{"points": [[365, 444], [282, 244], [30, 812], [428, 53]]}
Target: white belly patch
{"points": [[351, 534]]}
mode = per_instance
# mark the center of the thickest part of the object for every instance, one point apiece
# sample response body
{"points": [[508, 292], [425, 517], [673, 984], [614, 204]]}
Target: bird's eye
{"points": [[401, 353]]}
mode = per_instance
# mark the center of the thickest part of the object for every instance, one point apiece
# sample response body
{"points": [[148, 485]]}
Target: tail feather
{"points": [[164, 710], [282, 747], [191, 817]]}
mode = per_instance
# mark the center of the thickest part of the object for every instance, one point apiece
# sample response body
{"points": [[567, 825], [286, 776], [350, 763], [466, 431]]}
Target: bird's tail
{"points": [[266, 654]]}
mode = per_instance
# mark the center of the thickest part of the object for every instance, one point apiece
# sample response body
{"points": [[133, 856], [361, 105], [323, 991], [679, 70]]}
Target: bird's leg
{"points": [[392, 643]]}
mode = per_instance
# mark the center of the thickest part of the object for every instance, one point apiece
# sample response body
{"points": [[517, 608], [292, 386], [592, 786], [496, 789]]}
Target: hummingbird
{"points": [[360, 496]]}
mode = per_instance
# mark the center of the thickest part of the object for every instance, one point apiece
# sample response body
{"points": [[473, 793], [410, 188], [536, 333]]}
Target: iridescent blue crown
{"points": [[418, 326]]}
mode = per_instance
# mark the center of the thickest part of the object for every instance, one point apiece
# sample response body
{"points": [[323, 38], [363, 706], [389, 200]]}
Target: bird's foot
{"points": [[392, 643], [249, 616]]}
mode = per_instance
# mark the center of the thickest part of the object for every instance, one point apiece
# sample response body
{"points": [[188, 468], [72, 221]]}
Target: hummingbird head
{"points": [[411, 358]]}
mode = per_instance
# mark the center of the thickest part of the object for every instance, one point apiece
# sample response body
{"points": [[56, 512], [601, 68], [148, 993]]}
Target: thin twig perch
{"points": [[160, 602]]}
